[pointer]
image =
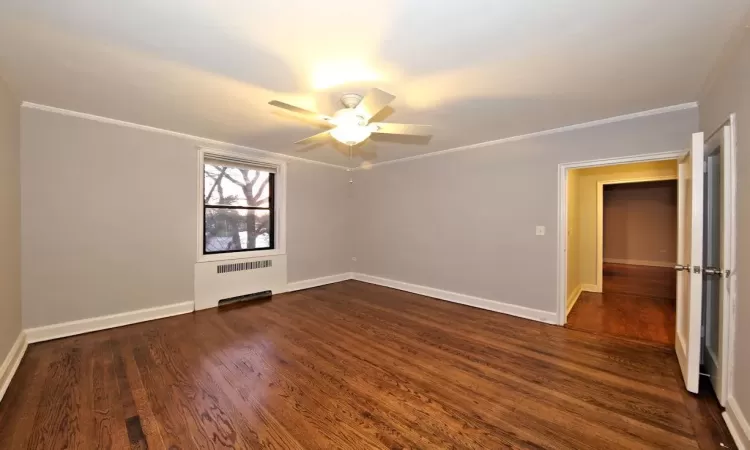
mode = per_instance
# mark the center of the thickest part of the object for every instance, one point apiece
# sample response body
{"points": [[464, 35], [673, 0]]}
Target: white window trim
{"points": [[279, 206]]}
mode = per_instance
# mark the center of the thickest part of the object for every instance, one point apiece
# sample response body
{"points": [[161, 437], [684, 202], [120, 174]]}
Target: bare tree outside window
{"points": [[238, 209]]}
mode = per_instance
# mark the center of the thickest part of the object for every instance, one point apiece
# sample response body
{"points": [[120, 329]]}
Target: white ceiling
{"points": [[476, 70]]}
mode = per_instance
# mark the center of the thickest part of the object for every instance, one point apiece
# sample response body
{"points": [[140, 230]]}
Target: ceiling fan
{"points": [[351, 125]]}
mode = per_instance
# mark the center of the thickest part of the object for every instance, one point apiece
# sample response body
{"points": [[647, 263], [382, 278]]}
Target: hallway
{"points": [[638, 303]]}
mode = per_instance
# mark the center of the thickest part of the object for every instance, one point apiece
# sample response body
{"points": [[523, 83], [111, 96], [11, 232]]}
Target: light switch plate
{"points": [[540, 230]]}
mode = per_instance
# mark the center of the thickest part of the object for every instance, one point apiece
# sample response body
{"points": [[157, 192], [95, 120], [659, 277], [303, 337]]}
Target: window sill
{"points": [[240, 255]]}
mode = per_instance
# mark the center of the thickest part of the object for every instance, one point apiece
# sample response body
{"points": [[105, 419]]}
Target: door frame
{"points": [[728, 334], [562, 213], [600, 218]]}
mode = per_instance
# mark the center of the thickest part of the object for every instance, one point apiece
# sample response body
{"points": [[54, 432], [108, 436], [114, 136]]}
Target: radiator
{"points": [[217, 280]]}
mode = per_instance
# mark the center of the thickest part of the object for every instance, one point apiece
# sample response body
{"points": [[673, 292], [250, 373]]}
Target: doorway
{"points": [[637, 225], [706, 275], [632, 294]]}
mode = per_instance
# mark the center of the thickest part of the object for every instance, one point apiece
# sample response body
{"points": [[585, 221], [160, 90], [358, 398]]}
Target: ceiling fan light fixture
{"points": [[351, 134], [351, 128]]}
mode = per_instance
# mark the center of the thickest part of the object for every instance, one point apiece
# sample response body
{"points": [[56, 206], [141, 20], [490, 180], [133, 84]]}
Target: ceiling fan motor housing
{"points": [[351, 100]]}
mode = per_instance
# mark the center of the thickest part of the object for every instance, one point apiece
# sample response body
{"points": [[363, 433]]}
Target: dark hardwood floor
{"points": [[351, 365], [637, 302]]}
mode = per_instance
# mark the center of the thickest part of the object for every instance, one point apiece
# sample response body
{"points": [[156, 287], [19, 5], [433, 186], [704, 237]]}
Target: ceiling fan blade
{"points": [[402, 128], [315, 138], [300, 111], [373, 103]]}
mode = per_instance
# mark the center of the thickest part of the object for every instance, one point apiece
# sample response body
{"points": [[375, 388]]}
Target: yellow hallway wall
{"points": [[573, 239]]}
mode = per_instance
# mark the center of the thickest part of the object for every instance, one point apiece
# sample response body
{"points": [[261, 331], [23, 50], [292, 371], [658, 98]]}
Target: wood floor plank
{"points": [[307, 415], [20, 402], [636, 302], [537, 389], [352, 365], [219, 419], [56, 424], [27, 386], [173, 409], [360, 384], [109, 418], [133, 396]]}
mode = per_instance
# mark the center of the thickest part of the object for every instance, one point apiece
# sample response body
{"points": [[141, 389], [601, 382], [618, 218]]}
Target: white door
{"points": [[720, 153], [689, 260]]}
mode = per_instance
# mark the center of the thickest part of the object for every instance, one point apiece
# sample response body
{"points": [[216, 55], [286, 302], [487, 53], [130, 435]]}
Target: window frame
{"points": [[271, 208], [276, 207]]}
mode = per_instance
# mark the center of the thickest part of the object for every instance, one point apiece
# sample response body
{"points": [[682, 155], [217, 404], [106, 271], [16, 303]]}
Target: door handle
{"points": [[713, 271], [679, 267]]}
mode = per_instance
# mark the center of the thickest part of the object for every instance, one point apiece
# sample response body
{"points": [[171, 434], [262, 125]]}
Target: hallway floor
{"points": [[638, 302]]}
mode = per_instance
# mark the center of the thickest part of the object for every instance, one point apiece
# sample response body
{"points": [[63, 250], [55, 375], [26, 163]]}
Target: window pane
{"points": [[236, 229], [235, 186]]}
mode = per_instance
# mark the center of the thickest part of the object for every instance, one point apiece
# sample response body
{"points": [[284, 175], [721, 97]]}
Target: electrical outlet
{"points": [[540, 230]]}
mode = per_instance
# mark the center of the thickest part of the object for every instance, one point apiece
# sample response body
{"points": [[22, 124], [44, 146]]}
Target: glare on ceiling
{"points": [[335, 73]]}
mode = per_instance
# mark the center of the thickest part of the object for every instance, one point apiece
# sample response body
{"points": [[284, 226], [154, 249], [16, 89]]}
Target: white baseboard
{"points": [[590, 288], [737, 424], [639, 262], [572, 299], [477, 302], [11, 362], [65, 329], [315, 282]]}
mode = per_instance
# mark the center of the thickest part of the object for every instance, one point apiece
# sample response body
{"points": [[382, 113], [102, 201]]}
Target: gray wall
{"points": [[318, 202], [10, 221], [110, 215], [465, 221], [730, 93]]}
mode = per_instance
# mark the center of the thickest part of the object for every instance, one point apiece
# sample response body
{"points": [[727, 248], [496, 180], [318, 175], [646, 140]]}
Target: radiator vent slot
{"points": [[249, 265], [258, 296]]}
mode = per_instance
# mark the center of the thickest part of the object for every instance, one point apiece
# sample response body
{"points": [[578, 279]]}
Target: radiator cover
{"points": [[216, 280]]}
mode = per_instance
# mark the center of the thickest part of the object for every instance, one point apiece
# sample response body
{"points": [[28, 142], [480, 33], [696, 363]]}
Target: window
{"points": [[238, 206]]}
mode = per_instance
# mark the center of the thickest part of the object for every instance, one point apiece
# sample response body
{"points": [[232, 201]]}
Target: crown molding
{"points": [[579, 126], [207, 141], [196, 139]]}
